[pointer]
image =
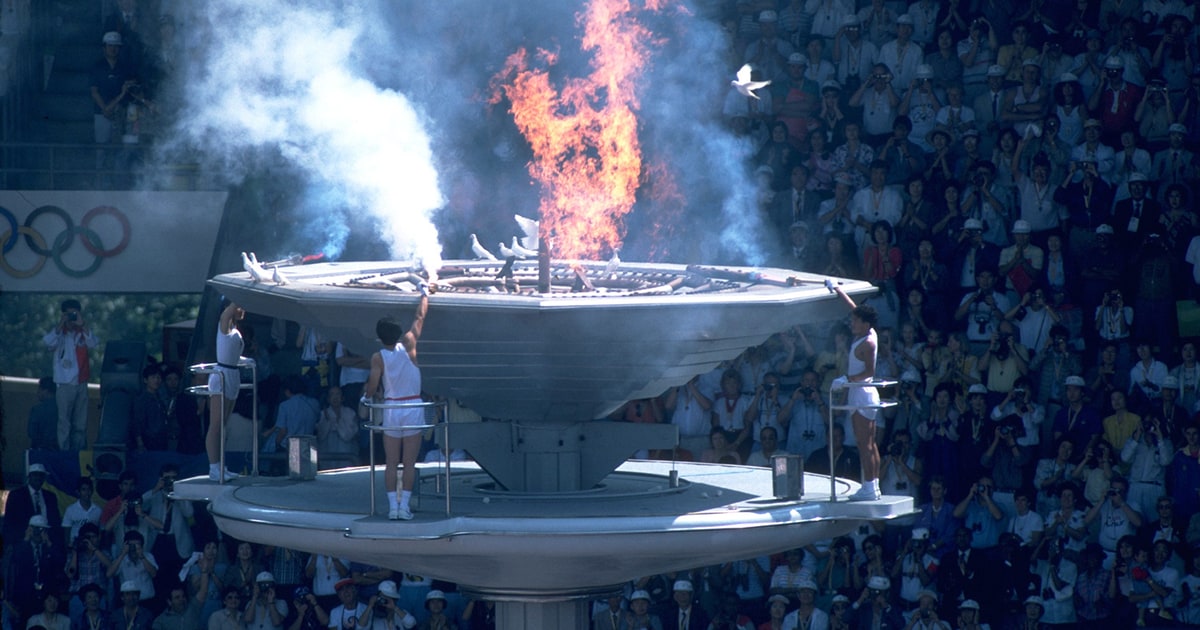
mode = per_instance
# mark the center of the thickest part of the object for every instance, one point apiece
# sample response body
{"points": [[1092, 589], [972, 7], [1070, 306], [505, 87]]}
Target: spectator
{"points": [[337, 432], [69, 342], [151, 424], [298, 415], [132, 616], [112, 80]]}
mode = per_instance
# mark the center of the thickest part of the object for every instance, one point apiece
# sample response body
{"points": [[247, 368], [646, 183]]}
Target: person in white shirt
{"points": [[81, 511]]}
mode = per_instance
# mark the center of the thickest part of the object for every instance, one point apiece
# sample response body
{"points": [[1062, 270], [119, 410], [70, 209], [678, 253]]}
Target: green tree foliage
{"points": [[25, 317]]}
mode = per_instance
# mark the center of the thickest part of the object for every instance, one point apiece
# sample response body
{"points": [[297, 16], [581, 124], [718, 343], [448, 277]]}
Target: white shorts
{"points": [[226, 381], [864, 396], [397, 418]]}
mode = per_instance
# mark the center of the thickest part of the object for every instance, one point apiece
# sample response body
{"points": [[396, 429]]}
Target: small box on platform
{"points": [[787, 474], [302, 457]]}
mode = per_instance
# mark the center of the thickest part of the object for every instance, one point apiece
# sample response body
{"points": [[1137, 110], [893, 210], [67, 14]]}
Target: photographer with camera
{"points": [[981, 311], [309, 613], [1006, 460], [1154, 115], [69, 342], [804, 417], [86, 561], [1115, 100], [1147, 454], [168, 534], [915, 568], [264, 611], [878, 102], [136, 565], [1019, 403], [979, 513], [1117, 517]]}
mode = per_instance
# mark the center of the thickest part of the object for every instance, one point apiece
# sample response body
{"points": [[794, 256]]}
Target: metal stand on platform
{"points": [[376, 426], [203, 390], [883, 404]]}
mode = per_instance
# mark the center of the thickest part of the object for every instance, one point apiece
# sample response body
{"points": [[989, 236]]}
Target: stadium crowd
{"points": [[1017, 179]]}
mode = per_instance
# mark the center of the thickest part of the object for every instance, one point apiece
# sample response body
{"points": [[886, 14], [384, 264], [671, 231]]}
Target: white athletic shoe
{"points": [[216, 475], [400, 514], [865, 494]]}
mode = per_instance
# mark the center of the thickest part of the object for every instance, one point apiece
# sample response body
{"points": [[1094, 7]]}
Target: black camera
{"points": [[1111, 493], [896, 449], [73, 316], [1005, 430], [168, 484], [807, 391], [381, 609]]}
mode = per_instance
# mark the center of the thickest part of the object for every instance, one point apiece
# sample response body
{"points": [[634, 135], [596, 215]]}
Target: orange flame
{"points": [[587, 155]]}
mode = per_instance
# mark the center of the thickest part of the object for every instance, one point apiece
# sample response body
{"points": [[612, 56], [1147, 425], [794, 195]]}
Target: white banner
{"points": [[107, 242]]}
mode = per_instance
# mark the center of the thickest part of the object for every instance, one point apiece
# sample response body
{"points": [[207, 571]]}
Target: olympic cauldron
{"points": [[550, 511]]}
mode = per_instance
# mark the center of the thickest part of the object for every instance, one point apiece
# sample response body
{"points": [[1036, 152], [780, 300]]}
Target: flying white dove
{"points": [[744, 85], [613, 263], [481, 253], [508, 252], [250, 264], [521, 251], [278, 276], [529, 227]]}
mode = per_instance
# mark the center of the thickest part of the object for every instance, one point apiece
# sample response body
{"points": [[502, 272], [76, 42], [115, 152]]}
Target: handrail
{"points": [[884, 404], [202, 390], [374, 426]]}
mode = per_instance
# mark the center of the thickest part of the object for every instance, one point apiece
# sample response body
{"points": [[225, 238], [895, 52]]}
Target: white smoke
{"points": [[284, 77]]}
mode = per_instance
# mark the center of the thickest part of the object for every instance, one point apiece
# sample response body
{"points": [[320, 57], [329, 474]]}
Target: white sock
{"points": [[405, 495], [391, 500], [873, 485], [214, 469]]}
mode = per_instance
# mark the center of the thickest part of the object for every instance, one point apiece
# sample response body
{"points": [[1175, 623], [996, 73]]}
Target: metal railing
{"points": [[883, 404], [203, 390], [113, 166], [376, 426]]}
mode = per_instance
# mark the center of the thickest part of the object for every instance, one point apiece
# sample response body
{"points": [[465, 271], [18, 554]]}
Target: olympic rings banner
{"points": [[107, 242]]}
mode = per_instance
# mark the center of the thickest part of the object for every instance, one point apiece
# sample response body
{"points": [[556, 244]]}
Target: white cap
{"points": [[782, 599], [265, 576], [905, 19], [129, 586], [682, 585], [973, 224], [969, 604], [1137, 177], [768, 16], [798, 59], [1114, 63], [388, 589], [977, 388], [1177, 128], [36, 468], [924, 71], [1021, 226], [1066, 77], [1034, 599], [1075, 380], [639, 594], [37, 520], [850, 19], [112, 38], [996, 70], [435, 594], [1170, 383], [879, 583], [926, 593], [1104, 228], [807, 584]]}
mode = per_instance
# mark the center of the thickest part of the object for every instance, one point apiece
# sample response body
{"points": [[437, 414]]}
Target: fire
{"points": [[587, 156]]}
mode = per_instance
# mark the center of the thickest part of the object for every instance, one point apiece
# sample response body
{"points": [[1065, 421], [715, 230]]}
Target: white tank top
{"points": [[401, 378], [854, 365], [229, 347]]}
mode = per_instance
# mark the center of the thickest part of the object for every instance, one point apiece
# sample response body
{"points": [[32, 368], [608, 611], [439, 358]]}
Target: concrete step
{"points": [[69, 82], [69, 107], [76, 57]]}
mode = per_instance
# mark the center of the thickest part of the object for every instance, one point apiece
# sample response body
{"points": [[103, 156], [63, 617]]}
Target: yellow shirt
{"points": [[1119, 427]]}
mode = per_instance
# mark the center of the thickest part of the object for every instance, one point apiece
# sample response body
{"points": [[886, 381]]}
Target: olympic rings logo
{"points": [[62, 242]]}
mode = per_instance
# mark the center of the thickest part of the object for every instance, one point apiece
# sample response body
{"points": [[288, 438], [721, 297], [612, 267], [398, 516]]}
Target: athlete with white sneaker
{"points": [[224, 385], [861, 368], [395, 368]]}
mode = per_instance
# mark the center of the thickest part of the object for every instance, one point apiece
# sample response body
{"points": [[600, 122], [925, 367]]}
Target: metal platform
{"points": [[515, 545]]}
